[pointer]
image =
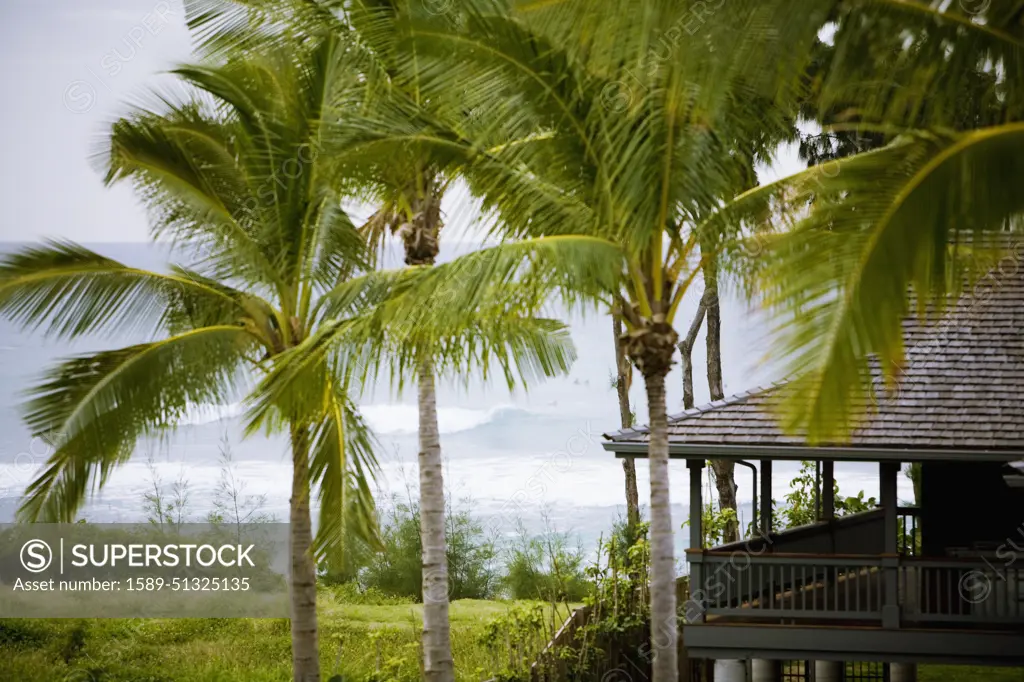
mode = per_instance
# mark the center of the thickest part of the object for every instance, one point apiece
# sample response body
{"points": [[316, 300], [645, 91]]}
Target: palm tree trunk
{"points": [[437, 648], [305, 649], [914, 474], [624, 372], [664, 637], [725, 474], [714, 337], [686, 351]]}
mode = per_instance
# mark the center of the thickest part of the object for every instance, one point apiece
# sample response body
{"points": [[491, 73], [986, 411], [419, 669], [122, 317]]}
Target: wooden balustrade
{"points": [[858, 588]]}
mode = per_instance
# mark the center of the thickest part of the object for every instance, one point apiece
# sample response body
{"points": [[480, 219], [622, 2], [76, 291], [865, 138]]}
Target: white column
{"points": [[763, 670], [902, 672], [730, 671], [828, 671]]}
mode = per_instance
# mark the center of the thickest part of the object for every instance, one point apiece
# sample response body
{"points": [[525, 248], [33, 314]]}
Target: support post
{"points": [[888, 471], [696, 467], [694, 610], [753, 473], [728, 670], [764, 670], [828, 491], [828, 671], [902, 672], [766, 497], [817, 489]]}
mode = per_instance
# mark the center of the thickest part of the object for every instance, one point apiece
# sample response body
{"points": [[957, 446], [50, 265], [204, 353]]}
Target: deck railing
{"points": [[793, 586], [960, 590], [889, 590]]}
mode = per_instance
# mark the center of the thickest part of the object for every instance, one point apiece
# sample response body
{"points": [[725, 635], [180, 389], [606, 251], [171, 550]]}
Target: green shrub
{"points": [[397, 570], [545, 567], [354, 593], [513, 641], [799, 509], [614, 628], [23, 633]]}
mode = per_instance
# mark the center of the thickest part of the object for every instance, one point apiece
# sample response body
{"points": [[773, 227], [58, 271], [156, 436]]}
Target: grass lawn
{"points": [[357, 641], [965, 673]]}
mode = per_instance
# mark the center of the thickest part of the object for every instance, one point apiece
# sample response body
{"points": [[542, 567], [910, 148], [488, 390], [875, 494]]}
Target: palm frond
{"points": [[577, 268], [73, 291], [524, 349], [94, 408], [479, 310], [183, 164], [228, 27], [880, 232], [920, 63], [342, 464]]}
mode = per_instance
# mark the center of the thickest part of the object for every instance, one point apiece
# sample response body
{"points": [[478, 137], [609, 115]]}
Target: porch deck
{"points": [[759, 600], [853, 589]]}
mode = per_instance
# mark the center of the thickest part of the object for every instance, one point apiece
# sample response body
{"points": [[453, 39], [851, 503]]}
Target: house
{"points": [[880, 591]]}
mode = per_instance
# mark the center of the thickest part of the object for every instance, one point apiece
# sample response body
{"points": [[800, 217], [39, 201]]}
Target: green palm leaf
{"points": [[342, 464], [478, 310], [924, 64], [881, 228], [73, 291], [94, 408]]}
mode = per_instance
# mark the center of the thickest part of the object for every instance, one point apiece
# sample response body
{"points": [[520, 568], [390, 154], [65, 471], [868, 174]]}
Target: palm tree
{"points": [[477, 313], [407, 182], [851, 245], [398, 151], [633, 156], [408, 185], [236, 175]]}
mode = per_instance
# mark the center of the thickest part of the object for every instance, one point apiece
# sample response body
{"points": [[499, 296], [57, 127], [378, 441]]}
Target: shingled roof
{"points": [[962, 389]]}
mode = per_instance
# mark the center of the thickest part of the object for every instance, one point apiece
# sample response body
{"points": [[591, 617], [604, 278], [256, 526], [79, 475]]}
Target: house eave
{"points": [[802, 452]]}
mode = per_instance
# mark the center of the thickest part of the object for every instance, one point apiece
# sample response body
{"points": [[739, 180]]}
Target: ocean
{"points": [[533, 457]]}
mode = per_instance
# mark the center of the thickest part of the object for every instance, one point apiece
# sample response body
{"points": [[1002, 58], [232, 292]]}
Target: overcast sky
{"points": [[67, 69]]}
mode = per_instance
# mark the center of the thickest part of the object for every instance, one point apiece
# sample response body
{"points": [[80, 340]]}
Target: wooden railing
{"points": [[960, 590], [889, 590], [793, 586]]}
